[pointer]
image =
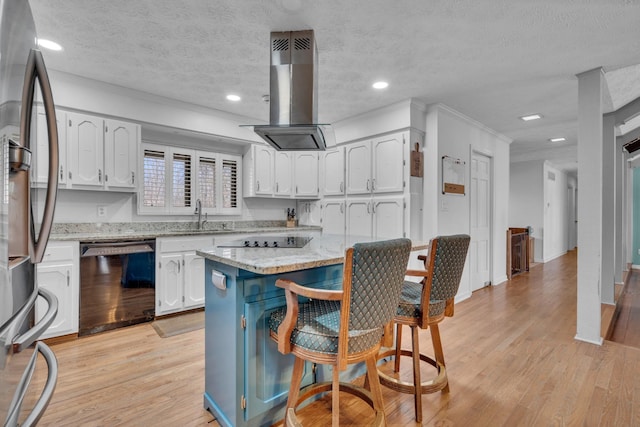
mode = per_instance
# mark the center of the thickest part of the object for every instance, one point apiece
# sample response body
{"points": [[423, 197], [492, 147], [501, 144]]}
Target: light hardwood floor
{"points": [[510, 351]]}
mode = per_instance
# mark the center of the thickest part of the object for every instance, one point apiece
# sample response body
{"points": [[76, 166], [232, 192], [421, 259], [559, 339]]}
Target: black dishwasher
{"points": [[117, 284]]}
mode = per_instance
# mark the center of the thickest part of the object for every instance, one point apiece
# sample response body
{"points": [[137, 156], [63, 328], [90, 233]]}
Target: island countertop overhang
{"points": [[323, 250]]}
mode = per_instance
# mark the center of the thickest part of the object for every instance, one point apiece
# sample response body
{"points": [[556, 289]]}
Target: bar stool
{"points": [[341, 327], [425, 305]]}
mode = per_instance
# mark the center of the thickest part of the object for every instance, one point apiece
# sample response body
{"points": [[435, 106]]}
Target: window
{"points": [[174, 178], [153, 185]]}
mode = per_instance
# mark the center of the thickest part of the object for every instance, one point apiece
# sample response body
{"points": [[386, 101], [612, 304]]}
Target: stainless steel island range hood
{"points": [[294, 94]]}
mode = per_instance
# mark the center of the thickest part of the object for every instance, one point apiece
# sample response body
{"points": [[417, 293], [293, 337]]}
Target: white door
{"points": [[388, 218], [333, 217], [334, 172], [480, 229], [359, 217], [306, 174], [86, 149], [58, 279], [120, 150], [359, 168], [388, 164], [193, 280], [263, 164], [169, 283], [283, 173]]}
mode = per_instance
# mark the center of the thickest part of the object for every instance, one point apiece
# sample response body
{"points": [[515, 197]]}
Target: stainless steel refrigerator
{"points": [[23, 238]]}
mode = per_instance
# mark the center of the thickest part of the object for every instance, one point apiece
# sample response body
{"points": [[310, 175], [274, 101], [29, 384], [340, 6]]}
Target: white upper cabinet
{"points": [[40, 175], [282, 173], [376, 166], [120, 158], [86, 150], [333, 172], [359, 168], [306, 174], [101, 153]]}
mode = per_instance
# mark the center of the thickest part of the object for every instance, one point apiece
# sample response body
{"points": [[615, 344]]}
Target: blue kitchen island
{"points": [[246, 378]]}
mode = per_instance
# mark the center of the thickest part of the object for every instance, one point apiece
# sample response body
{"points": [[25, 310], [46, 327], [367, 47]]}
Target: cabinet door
{"points": [[267, 372], [388, 218], [333, 168], [309, 213], [86, 150], [388, 164], [263, 165], [193, 280], [59, 279], [358, 168], [333, 217], [120, 148], [306, 174], [169, 279], [283, 173], [41, 170], [359, 217]]}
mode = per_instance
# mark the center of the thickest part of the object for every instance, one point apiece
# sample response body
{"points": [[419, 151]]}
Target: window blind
{"points": [[229, 183], [181, 180], [207, 182], [154, 181]]}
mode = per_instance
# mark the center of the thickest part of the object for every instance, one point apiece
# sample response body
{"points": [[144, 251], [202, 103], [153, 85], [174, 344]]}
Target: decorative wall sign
{"points": [[453, 175], [417, 161]]}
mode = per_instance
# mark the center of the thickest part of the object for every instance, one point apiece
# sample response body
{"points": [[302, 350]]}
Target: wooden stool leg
{"points": [[296, 380], [374, 383], [396, 364], [417, 382], [437, 349], [335, 398]]}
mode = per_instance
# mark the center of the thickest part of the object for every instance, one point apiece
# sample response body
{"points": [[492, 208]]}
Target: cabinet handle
{"points": [[68, 278], [70, 175], [296, 189], [368, 189], [368, 207], [341, 207], [257, 185], [277, 186], [373, 184], [342, 186], [133, 177], [106, 177], [99, 175], [178, 266], [61, 172], [373, 207]]}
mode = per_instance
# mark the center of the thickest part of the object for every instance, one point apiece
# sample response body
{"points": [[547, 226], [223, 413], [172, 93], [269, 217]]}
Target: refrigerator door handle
{"points": [[36, 68], [47, 392], [23, 341]]}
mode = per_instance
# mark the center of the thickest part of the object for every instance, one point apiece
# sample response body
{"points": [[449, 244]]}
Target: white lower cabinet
{"points": [[180, 273], [333, 216], [59, 273], [378, 217]]}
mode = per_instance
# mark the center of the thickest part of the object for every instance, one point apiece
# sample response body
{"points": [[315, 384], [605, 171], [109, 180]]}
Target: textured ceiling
{"points": [[492, 60]]}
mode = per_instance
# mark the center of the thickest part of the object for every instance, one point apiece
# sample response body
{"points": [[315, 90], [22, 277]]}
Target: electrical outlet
{"points": [[102, 211]]}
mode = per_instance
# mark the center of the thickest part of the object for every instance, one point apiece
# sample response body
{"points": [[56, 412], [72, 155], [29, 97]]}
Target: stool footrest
{"points": [[431, 386], [313, 389]]}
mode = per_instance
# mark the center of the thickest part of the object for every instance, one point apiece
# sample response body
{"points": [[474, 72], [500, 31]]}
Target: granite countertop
{"points": [[327, 249], [89, 232]]}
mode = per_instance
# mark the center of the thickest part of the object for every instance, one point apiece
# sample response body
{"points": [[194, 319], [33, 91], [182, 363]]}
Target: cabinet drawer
{"points": [[59, 252], [182, 244]]}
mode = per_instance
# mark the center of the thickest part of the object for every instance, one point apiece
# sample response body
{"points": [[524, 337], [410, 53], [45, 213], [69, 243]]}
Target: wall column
{"points": [[609, 191], [590, 146], [620, 241]]}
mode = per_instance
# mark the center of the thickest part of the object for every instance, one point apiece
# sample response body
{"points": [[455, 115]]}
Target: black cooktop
{"points": [[267, 242]]}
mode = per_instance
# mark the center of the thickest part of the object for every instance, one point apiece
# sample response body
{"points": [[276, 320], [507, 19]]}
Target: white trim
{"points": [[469, 120]]}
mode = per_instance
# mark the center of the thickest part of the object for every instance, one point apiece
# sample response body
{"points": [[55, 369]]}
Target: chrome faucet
{"points": [[199, 213]]}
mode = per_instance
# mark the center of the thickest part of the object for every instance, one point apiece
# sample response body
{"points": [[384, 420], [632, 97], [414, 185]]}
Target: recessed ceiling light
{"points": [[380, 85], [557, 139], [234, 98], [48, 44], [531, 117]]}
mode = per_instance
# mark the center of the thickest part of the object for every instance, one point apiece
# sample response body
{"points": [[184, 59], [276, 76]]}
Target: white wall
{"points": [[452, 134], [525, 200]]}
